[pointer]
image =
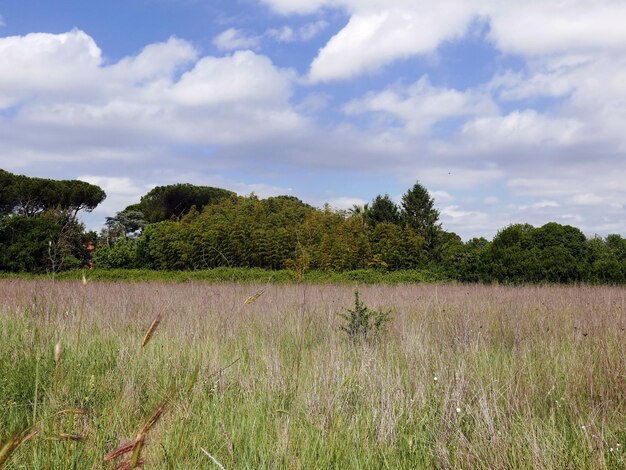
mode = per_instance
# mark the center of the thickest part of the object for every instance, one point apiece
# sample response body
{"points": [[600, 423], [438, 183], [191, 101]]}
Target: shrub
{"points": [[363, 323]]}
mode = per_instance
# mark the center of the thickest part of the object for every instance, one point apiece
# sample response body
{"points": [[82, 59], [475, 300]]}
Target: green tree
{"points": [[49, 242], [617, 246], [563, 252], [472, 265], [174, 201], [513, 256], [124, 223], [419, 213], [359, 211], [7, 192], [79, 195], [382, 210], [28, 196], [606, 259]]}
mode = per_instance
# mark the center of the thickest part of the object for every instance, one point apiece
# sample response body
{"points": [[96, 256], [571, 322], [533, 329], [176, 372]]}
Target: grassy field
{"points": [[463, 377]]}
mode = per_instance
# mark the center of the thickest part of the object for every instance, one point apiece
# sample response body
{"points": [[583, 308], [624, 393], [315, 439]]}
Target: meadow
{"points": [[256, 375]]}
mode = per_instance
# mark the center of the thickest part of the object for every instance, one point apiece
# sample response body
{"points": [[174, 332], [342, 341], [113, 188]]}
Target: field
{"points": [[461, 377]]}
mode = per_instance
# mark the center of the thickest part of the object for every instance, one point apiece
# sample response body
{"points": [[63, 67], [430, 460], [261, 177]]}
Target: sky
{"points": [[506, 111]]}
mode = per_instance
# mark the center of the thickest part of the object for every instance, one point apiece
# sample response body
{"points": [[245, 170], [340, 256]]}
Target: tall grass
{"points": [[466, 377]]}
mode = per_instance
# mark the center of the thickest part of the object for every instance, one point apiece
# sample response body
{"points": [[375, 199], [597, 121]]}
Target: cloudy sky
{"points": [[506, 111]]}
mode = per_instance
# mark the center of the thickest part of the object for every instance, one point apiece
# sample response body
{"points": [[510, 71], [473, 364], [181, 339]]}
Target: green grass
{"points": [[526, 367], [246, 275]]}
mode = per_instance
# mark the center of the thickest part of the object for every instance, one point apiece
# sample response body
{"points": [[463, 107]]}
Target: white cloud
{"points": [[160, 60], [129, 117], [296, 6], [442, 197], [576, 218], [41, 65], [284, 34], [521, 127], [121, 192], [303, 33], [310, 30], [454, 212], [546, 27], [600, 196], [421, 105], [314, 102], [581, 85], [229, 80], [136, 116], [382, 31], [372, 39], [545, 204], [2, 22], [588, 199], [435, 174], [345, 202], [233, 39], [456, 218], [69, 93]]}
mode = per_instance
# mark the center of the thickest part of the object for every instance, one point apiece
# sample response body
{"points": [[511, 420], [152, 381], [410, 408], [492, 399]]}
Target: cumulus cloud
{"points": [[521, 127], [235, 79], [70, 93], [546, 27], [421, 105], [155, 61], [40, 65], [233, 39], [382, 31], [374, 38]]}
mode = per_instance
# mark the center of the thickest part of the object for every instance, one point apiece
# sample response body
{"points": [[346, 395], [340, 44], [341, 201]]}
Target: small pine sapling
{"points": [[363, 323]]}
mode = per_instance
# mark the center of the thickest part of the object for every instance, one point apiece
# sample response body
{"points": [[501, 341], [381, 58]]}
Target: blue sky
{"points": [[506, 111]]}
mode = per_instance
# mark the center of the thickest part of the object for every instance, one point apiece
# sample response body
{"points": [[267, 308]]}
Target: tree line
{"points": [[187, 227], [285, 233]]}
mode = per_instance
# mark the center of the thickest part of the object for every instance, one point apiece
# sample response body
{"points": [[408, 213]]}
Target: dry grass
{"points": [[467, 376]]}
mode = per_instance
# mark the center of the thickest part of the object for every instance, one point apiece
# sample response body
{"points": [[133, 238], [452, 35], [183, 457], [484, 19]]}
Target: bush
{"points": [[363, 323]]}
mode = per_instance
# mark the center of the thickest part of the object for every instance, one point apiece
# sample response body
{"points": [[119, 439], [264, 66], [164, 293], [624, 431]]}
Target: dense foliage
{"points": [[284, 233], [191, 228], [39, 231]]}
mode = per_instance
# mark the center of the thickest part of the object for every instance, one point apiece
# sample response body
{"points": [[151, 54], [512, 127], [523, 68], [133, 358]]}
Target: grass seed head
{"points": [[253, 298], [125, 449], [10, 446], [151, 329]]}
